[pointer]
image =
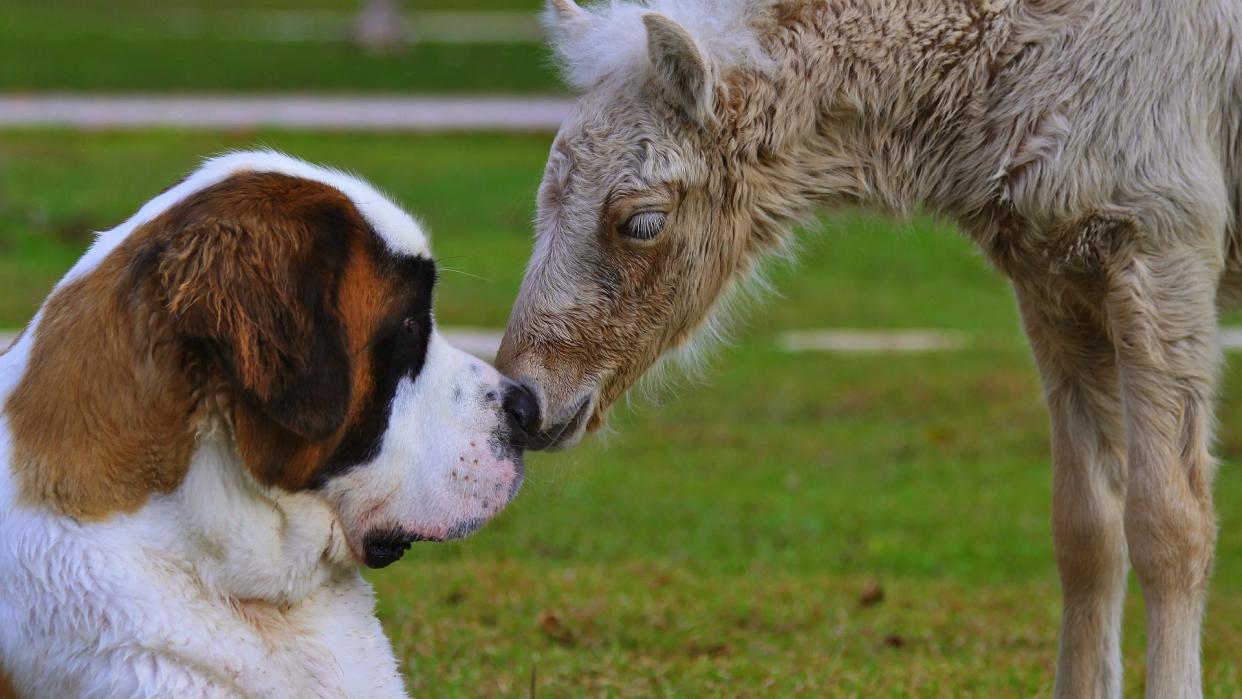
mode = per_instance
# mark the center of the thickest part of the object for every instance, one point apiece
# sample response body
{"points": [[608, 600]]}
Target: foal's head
{"points": [[650, 207]]}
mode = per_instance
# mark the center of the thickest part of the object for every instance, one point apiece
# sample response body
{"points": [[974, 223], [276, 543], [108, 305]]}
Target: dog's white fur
{"points": [[226, 588]]}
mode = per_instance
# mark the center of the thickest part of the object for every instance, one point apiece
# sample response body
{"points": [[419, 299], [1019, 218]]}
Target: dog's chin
{"points": [[377, 537], [381, 548]]}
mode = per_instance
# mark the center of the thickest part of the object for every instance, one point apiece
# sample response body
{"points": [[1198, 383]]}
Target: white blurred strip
{"points": [[357, 113], [870, 341], [477, 341], [1231, 338], [483, 343], [335, 26], [911, 340]]}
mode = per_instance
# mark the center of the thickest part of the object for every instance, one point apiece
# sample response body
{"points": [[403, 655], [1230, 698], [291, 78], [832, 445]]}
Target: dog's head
{"points": [[298, 302], [315, 307]]}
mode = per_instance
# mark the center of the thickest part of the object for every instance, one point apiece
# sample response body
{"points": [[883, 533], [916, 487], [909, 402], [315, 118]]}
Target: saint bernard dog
{"points": [[232, 401]]}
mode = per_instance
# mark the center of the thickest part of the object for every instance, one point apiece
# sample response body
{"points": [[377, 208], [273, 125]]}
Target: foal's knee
{"points": [[1090, 553], [1171, 533], [1088, 513]]}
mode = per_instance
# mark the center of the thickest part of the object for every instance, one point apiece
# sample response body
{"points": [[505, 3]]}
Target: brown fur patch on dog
{"points": [[251, 300], [103, 415], [7, 690], [277, 457]]}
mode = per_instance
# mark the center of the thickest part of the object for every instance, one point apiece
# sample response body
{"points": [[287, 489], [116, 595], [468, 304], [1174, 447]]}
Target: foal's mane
{"points": [[610, 40]]}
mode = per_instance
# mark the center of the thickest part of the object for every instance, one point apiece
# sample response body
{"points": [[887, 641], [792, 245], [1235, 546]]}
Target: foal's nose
{"points": [[522, 411]]}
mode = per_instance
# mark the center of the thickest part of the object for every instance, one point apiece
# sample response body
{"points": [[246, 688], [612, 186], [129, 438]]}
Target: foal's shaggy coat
{"points": [[1090, 147]]}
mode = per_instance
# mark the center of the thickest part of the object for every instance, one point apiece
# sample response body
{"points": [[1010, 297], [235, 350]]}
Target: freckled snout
{"points": [[450, 461]]}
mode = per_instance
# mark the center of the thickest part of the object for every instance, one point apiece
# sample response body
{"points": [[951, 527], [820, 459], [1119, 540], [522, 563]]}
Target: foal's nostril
{"points": [[522, 411]]}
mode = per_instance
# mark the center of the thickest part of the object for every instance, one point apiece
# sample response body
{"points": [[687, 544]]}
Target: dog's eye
{"points": [[410, 326], [645, 225]]}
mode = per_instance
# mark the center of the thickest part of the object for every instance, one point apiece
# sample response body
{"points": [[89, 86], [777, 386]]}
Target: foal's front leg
{"points": [[1079, 371], [1162, 316]]}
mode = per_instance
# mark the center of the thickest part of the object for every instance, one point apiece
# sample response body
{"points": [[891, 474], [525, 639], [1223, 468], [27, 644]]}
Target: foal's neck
{"points": [[879, 103]]}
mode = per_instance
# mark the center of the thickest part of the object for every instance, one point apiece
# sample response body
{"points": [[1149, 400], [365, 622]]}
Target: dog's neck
{"points": [[244, 541], [228, 534]]}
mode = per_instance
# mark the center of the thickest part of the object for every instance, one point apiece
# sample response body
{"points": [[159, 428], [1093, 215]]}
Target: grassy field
{"points": [[232, 46], [794, 525]]}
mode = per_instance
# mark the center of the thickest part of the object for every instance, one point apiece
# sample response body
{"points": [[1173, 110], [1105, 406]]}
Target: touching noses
{"points": [[522, 412]]}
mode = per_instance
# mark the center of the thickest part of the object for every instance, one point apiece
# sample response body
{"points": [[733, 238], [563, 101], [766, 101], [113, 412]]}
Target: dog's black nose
{"points": [[522, 411]]}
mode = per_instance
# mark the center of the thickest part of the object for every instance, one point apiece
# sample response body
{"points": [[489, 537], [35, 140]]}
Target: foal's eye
{"points": [[410, 326], [644, 225]]}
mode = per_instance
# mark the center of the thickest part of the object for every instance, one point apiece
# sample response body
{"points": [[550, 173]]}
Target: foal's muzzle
{"points": [[564, 433]]}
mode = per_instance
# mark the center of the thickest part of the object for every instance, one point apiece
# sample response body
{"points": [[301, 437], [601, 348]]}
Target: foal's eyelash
{"points": [[645, 225]]}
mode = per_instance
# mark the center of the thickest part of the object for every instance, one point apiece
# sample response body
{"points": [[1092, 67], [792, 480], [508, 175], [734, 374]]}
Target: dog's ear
{"points": [[253, 286]]}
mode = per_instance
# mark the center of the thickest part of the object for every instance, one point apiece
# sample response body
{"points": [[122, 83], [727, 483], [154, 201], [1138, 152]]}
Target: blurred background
{"points": [[852, 500]]}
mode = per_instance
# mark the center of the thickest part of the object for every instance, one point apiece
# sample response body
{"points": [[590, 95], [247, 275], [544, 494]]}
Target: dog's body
{"points": [[231, 401], [122, 609]]}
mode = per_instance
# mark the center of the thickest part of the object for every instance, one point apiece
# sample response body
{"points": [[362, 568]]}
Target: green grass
{"points": [[139, 45], [719, 544]]}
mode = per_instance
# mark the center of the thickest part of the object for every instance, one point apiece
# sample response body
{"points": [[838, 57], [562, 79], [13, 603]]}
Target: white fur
{"points": [[225, 587], [610, 40], [400, 231], [142, 606], [464, 482]]}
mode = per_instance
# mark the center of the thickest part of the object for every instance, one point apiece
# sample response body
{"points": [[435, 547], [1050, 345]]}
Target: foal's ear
{"points": [[256, 295], [681, 68], [565, 20]]}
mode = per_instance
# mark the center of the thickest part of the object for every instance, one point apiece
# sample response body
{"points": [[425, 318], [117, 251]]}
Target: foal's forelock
{"points": [[596, 42]]}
